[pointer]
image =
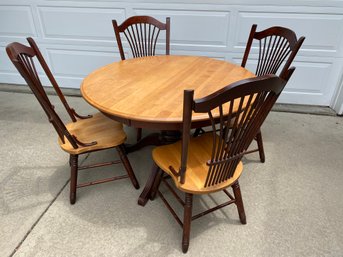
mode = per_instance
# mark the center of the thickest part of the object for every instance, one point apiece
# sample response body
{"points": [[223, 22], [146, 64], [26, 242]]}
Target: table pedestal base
{"points": [[163, 138]]}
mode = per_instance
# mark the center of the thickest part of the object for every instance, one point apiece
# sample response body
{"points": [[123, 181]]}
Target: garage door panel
{"points": [[311, 82], [195, 28], [321, 30], [78, 63], [16, 21], [79, 23]]}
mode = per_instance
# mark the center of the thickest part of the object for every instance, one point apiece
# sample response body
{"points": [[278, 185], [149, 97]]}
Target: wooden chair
{"points": [[277, 47], [84, 134], [212, 161], [141, 33]]}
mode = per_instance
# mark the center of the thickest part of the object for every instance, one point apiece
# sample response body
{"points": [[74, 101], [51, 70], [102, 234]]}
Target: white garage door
{"points": [[77, 36]]}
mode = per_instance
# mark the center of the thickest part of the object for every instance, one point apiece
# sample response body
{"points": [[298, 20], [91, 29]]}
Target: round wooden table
{"points": [[148, 92]]}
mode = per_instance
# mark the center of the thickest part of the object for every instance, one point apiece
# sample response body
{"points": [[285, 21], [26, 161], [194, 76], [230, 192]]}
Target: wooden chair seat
{"points": [[200, 150], [106, 132]]}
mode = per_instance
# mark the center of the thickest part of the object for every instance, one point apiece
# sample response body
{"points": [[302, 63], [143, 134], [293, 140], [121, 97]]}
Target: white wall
{"points": [[76, 36]]}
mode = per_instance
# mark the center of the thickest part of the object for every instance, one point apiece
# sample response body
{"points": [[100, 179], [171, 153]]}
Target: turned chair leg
{"points": [[156, 184], [127, 166], [139, 134], [260, 146], [73, 161], [239, 202], [187, 219]]}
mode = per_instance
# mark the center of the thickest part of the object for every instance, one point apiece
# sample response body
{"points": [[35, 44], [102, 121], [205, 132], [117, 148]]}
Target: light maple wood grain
{"points": [[150, 89], [106, 132], [200, 150]]}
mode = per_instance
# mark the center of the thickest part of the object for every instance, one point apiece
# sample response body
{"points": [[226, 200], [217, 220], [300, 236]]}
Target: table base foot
{"points": [[163, 138], [145, 195]]}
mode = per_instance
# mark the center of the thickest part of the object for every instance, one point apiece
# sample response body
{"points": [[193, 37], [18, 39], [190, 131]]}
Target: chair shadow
{"points": [[29, 187]]}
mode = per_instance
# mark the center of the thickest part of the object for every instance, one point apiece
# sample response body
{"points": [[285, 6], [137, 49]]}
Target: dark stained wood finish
{"points": [[187, 219], [84, 134], [276, 46], [250, 99], [141, 33], [231, 143], [239, 202]]}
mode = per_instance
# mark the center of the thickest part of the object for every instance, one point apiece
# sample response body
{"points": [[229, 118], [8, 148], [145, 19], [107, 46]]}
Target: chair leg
{"points": [[260, 146], [139, 134], [127, 166], [73, 161], [156, 184], [239, 202], [187, 219]]}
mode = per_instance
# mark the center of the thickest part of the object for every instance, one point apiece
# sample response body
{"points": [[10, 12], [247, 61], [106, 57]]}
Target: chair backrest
{"points": [[141, 32], [276, 45], [23, 59], [240, 109]]}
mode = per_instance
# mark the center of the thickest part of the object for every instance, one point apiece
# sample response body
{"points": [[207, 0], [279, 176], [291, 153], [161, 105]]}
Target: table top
{"points": [[147, 92]]}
